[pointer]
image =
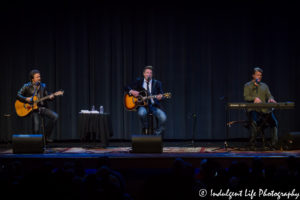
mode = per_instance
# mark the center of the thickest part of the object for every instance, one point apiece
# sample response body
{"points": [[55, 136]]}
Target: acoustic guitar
{"points": [[23, 109], [131, 102]]}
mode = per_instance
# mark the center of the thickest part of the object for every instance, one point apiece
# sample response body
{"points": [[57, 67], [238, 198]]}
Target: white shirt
{"points": [[150, 88]]}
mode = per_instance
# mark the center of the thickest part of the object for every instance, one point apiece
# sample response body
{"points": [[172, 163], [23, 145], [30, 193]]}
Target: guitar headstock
{"points": [[167, 95], [59, 93]]}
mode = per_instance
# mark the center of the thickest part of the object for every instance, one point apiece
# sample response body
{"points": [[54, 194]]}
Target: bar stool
{"points": [[151, 129]]}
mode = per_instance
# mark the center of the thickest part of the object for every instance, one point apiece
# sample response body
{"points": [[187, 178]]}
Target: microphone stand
{"points": [[194, 118], [194, 127], [225, 146], [37, 84], [35, 90]]}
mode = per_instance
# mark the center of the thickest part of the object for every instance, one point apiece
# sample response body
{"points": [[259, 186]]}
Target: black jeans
{"points": [[51, 118], [259, 121]]}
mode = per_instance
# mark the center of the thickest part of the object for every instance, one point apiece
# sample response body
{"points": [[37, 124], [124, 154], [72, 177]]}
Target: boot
{"points": [[275, 137], [253, 130]]}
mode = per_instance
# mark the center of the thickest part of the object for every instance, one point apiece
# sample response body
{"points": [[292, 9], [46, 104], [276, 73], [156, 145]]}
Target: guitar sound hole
{"points": [[139, 99]]}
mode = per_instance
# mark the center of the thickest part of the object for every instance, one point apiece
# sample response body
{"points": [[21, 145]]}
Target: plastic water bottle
{"points": [[93, 108], [101, 109]]}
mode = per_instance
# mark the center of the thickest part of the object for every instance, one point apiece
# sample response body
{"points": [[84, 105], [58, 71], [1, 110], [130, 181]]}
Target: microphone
{"points": [[257, 81], [148, 79]]}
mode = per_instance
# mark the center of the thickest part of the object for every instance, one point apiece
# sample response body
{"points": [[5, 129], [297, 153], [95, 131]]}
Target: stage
{"points": [[140, 169], [120, 156]]}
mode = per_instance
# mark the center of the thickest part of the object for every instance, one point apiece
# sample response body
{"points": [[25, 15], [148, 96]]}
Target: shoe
{"points": [[252, 148], [275, 147], [158, 132], [145, 131], [48, 140]]}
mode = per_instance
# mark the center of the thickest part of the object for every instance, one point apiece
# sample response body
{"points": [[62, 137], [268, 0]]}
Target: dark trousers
{"points": [[51, 117], [259, 121]]}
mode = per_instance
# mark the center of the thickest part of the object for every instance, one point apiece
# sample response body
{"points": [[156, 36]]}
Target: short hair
{"points": [[257, 69], [148, 67], [32, 73]]}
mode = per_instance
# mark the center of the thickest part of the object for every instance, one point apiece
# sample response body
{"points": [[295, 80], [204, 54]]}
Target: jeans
{"points": [[158, 113], [259, 121], [49, 114]]}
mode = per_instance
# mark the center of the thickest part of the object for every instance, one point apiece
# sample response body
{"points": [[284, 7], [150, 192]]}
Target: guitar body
{"points": [[131, 102], [23, 109]]}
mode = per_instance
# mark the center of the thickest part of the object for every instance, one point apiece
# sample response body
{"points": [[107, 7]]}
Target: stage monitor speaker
{"points": [[147, 144], [27, 143], [291, 141]]}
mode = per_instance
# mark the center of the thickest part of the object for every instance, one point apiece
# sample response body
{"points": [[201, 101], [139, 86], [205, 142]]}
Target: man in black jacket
{"points": [[36, 88], [153, 87]]}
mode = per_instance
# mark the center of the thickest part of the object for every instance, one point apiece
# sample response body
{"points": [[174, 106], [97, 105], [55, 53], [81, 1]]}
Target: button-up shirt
{"points": [[150, 88]]}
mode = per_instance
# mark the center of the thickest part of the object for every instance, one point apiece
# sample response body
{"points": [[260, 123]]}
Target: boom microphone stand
{"points": [[227, 125]]}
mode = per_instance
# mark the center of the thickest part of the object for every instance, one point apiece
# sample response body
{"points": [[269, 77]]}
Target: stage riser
{"points": [[136, 170], [141, 163]]}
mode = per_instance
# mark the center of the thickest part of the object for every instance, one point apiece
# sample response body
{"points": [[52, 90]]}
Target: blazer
{"points": [[137, 85]]}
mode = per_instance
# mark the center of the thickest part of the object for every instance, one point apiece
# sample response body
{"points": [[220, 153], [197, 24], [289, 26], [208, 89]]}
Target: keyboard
{"points": [[279, 105]]}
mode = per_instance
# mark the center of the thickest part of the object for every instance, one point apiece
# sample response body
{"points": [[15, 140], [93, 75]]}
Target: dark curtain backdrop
{"points": [[203, 54]]}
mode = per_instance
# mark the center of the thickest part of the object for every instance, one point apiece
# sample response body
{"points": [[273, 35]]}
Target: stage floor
{"points": [[138, 166], [170, 149]]}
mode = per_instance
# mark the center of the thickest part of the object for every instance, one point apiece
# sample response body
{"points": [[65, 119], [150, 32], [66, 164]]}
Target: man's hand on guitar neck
{"points": [[29, 99], [51, 96], [134, 93], [159, 97]]}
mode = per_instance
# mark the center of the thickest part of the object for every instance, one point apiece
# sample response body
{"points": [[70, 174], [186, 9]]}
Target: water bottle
{"points": [[101, 110], [93, 108]]}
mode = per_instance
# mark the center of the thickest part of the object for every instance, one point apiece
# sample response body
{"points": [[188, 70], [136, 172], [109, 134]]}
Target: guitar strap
{"points": [[40, 91], [35, 91]]}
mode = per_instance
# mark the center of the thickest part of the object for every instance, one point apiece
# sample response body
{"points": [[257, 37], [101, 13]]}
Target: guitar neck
{"points": [[151, 97], [48, 96], [42, 99]]}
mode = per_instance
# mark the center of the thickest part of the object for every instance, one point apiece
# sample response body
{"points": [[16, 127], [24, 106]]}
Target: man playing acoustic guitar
{"points": [[26, 95], [152, 87]]}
